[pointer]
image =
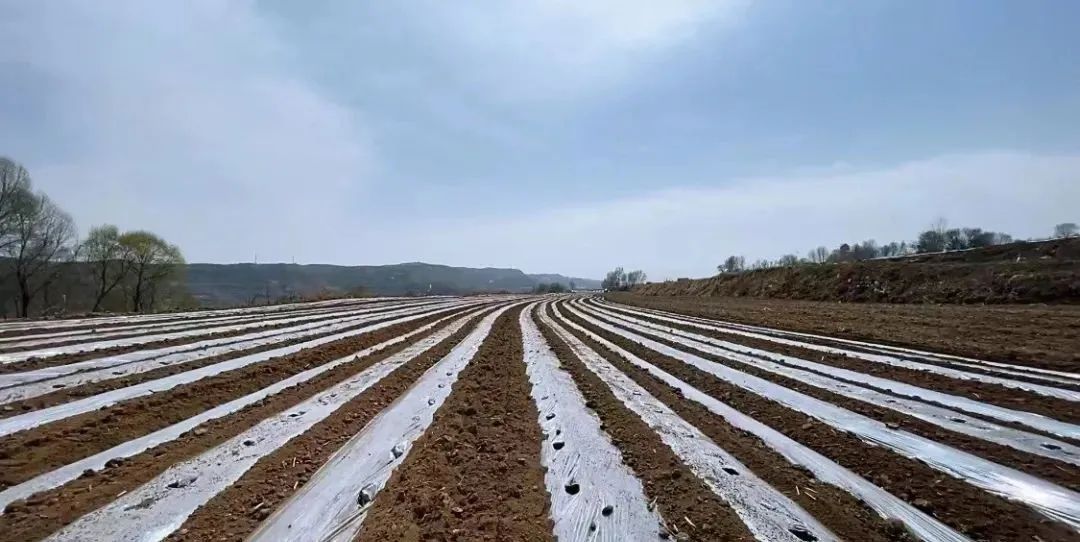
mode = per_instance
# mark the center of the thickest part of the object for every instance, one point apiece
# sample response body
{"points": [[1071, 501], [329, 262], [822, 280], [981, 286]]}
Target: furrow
{"points": [[84, 348], [71, 471], [611, 504], [217, 345], [61, 338], [1047, 498], [768, 514], [888, 506], [8, 327], [840, 381], [933, 357], [44, 385], [475, 474], [37, 418], [332, 506], [159, 507], [1048, 391]]}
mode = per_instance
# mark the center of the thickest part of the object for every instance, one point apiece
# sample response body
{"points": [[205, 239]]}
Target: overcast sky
{"points": [[563, 136]]}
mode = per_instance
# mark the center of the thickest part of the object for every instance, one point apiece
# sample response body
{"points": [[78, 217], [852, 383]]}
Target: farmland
{"points": [[527, 418]]}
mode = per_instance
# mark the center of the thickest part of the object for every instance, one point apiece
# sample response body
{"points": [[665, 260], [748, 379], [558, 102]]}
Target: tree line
{"points": [[618, 279], [937, 238], [45, 268], [552, 288]]}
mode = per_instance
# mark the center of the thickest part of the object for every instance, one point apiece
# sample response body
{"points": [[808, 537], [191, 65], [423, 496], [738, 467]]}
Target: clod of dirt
{"points": [[183, 482], [398, 450], [572, 488], [802, 534], [607, 511], [249, 442], [367, 493]]}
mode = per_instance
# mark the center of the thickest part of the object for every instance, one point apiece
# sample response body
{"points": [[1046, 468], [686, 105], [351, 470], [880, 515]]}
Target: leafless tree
{"points": [[1066, 229], [41, 235], [789, 260], [733, 264], [634, 278], [818, 255], [14, 185]]}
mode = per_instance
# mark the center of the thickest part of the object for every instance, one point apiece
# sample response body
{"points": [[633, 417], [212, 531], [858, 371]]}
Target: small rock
{"points": [[114, 462], [199, 432], [89, 473], [249, 442], [922, 504], [9, 408], [892, 425], [457, 510], [807, 426], [607, 511], [572, 487]]}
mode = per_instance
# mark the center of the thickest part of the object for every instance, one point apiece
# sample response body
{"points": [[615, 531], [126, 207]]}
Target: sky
{"points": [[559, 136]]}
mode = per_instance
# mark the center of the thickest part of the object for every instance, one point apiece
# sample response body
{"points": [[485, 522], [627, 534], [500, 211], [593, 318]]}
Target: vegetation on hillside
{"points": [[618, 279], [937, 238]]}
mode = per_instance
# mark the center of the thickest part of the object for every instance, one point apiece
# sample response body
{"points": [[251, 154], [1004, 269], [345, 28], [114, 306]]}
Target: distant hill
{"points": [[232, 284]]}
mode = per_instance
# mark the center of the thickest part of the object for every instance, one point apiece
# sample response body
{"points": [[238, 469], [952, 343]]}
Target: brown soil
{"points": [[47, 447], [51, 510], [678, 494], [34, 363], [974, 512], [95, 319], [270, 320], [272, 480], [65, 395], [475, 474], [1055, 471], [986, 392], [1035, 335], [996, 275]]}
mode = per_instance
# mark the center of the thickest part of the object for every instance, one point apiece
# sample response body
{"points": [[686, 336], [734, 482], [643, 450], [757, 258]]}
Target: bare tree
{"points": [[151, 260], [14, 185], [788, 260], [634, 278], [106, 255], [733, 264], [41, 235], [1066, 229], [614, 279], [818, 255]]}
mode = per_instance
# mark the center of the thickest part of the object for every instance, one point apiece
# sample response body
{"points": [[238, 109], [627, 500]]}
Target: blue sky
{"points": [[555, 136]]}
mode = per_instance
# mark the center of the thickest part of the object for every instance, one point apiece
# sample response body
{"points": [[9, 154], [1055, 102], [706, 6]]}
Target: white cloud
{"points": [[526, 50], [185, 120], [686, 232]]}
